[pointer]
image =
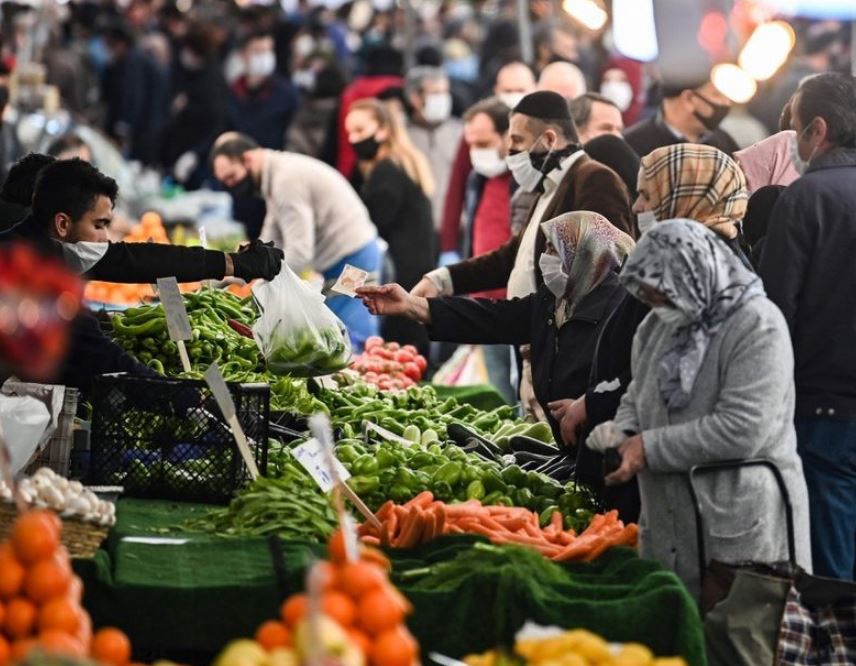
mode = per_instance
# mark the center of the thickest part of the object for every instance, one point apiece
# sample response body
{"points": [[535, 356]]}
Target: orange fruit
{"points": [[359, 639], [376, 557], [2, 613], [327, 573], [35, 536], [20, 618], [339, 607], [380, 611], [294, 609], [59, 642], [5, 650], [11, 573], [358, 578], [61, 614], [22, 647], [47, 579], [395, 647], [111, 646], [75, 589], [273, 634]]}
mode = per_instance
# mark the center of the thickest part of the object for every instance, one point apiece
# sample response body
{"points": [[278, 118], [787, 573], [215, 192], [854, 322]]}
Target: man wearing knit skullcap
{"points": [[545, 158]]}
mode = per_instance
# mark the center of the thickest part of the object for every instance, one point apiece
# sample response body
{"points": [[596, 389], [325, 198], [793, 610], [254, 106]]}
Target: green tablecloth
{"points": [[481, 396], [186, 600]]}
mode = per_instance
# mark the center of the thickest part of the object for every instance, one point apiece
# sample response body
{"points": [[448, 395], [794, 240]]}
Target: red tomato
{"points": [[370, 377], [384, 385], [393, 346], [380, 352], [411, 349], [412, 371], [403, 356], [422, 362], [373, 341]]}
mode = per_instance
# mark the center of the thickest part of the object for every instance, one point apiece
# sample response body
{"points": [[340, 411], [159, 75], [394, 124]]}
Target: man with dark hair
{"points": [[687, 114], [808, 271], [544, 158], [68, 146], [16, 196], [595, 115]]}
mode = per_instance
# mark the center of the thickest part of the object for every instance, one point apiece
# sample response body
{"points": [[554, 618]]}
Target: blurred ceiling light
{"points": [[633, 29], [587, 12], [813, 9], [712, 32], [733, 82], [767, 49], [184, 6]]}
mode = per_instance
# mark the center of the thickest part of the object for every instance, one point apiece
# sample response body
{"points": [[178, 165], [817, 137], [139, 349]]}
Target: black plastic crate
{"points": [[167, 438]]}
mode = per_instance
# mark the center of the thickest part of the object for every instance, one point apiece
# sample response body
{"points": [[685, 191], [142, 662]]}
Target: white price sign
{"points": [[315, 460]]}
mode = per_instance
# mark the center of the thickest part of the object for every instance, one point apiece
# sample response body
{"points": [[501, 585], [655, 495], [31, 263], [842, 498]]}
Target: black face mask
{"points": [[546, 161], [366, 149], [712, 121], [245, 187]]}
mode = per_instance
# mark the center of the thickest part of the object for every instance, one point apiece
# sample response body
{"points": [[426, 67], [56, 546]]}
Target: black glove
{"points": [[258, 260]]}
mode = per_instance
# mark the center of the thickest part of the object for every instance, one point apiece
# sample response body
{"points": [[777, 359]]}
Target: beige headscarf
{"points": [[696, 182], [769, 162], [591, 247]]}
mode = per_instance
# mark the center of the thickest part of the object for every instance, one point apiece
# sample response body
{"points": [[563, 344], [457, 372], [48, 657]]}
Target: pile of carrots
{"points": [[40, 599], [422, 519], [150, 228]]}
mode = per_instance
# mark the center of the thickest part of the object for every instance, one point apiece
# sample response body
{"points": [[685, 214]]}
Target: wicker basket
{"points": [[81, 539]]}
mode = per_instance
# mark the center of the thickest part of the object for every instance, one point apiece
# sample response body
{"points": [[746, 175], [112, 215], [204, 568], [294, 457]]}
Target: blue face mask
{"points": [[463, 69]]}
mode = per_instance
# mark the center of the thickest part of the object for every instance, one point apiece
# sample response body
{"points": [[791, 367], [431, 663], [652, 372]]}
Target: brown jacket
{"points": [[589, 185]]}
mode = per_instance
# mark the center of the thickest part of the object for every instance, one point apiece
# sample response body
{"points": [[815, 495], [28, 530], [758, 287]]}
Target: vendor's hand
{"points": [[392, 299], [632, 453], [573, 420], [425, 289], [559, 407], [257, 260]]}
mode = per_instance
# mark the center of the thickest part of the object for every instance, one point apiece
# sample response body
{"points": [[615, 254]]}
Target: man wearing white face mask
{"points": [[432, 128], [263, 103], [808, 271]]}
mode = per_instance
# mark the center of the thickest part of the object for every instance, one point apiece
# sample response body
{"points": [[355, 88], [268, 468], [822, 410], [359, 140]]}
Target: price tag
{"points": [[389, 436], [214, 378], [203, 237], [176, 317], [313, 458]]}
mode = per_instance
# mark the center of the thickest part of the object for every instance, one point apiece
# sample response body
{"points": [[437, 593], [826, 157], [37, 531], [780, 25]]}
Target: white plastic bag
{"points": [[296, 332]]}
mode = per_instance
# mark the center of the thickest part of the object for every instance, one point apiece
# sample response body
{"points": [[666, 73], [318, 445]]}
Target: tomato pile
{"points": [[389, 366]]}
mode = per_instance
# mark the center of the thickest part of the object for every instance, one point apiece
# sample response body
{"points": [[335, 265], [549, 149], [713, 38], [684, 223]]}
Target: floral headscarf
{"points": [[696, 182], [590, 246], [704, 279]]}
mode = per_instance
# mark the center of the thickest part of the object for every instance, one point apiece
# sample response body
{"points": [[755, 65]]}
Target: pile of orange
{"points": [[150, 228], [360, 598], [40, 598]]}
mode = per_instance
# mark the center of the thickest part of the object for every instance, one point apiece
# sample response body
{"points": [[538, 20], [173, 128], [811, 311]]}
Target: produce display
{"points": [[423, 519], [40, 599], [388, 365], [289, 505], [572, 648], [361, 620], [47, 489]]}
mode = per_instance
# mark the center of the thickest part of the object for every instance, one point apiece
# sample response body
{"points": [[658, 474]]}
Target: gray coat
{"points": [[742, 406]]}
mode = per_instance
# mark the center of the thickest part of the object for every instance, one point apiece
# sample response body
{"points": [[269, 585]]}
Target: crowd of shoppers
{"points": [[659, 288]]}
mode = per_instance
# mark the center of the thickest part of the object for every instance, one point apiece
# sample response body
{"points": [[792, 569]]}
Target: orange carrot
{"points": [[423, 500], [579, 548], [556, 521], [566, 538], [371, 541], [385, 511]]}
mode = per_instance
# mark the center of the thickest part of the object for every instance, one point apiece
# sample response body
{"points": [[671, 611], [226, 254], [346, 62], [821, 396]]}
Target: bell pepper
{"points": [[475, 490], [514, 476], [363, 485], [366, 465], [449, 473]]}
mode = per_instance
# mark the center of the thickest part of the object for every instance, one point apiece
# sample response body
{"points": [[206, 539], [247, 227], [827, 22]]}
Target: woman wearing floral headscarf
{"points": [[712, 381], [561, 321]]}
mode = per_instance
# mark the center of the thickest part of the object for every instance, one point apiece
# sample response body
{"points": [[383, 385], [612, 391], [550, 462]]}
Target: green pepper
{"points": [[363, 485], [504, 501], [147, 328], [144, 357], [547, 515], [400, 493], [494, 483], [347, 453], [449, 473], [513, 475], [422, 459], [150, 344], [442, 491], [524, 497], [157, 366], [475, 490], [405, 477], [366, 465], [386, 458]]}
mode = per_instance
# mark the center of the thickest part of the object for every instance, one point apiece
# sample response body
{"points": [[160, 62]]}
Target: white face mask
{"points": [[526, 175], [261, 65], [646, 219], [618, 92], [671, 316], [487, 162], [511, 99], [555, 278], [304, 78], [799, 163], [438, 108]]}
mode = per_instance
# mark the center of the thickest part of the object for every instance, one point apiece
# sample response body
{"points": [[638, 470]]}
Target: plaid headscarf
{"points": [[702, 278], [696, 182], [590, 247]]}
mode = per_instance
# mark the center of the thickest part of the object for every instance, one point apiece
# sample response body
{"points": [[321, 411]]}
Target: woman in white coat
{"points": [[712, 381]]}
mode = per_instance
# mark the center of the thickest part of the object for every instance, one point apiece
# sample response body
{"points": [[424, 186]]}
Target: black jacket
{"points": [[809, 272], [561, 358], [653, 133]]}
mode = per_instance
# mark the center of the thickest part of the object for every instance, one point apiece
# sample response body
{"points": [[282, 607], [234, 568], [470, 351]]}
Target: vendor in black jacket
{"points": [[561, 320], [72, 208]]}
